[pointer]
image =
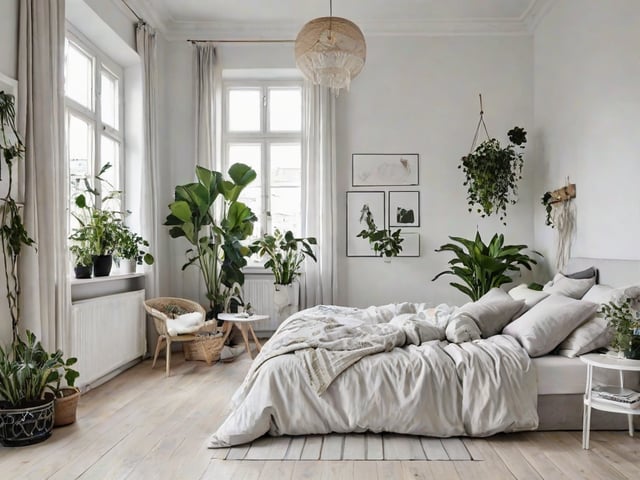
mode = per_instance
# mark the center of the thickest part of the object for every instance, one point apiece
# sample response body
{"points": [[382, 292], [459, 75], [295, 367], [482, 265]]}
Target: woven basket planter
{"points": [[205, 348]]}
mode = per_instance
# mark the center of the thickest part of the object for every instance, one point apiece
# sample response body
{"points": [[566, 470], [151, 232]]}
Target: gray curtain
{"points": [[45, 290], [146, 47], [204, 94], [319, 150]]}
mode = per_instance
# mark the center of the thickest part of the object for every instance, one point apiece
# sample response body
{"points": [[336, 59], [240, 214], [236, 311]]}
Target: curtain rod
{"points": [[140, 19], [242, 41]]}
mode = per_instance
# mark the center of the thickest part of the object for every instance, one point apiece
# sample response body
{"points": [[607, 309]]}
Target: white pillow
{"points": [[600, 294], [569, 287], [530, 297], [542, 328], [462, 328], [492, 311]]}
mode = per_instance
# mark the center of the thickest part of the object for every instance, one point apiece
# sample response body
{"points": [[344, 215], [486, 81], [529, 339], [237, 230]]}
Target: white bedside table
{"points": [[244, 325], [602, 361]]}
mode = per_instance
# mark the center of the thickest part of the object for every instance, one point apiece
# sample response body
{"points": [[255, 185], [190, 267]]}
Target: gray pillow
{"points": [[591, 335], [542, 328], [462, 328], [492, 311], [581, 275], [531, 297], [569, 287]]}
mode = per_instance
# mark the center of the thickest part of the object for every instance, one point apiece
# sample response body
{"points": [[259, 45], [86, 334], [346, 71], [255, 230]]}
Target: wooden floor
{"points": [[142, 425]]}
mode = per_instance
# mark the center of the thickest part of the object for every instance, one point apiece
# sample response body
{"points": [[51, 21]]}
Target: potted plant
{"points": [[130, 250], [492, 172], [67, 395], [482, 267], [216, 246], [98, 227], [82, 259], [384, 242], [625, 326], [285, 253]]}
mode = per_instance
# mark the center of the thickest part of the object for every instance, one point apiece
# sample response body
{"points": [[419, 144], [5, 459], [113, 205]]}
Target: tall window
{"points": [[93, 119], [262, 127]]}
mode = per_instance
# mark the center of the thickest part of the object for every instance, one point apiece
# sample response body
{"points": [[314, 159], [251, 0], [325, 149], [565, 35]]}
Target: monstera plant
{"points": [[482, 267], [215, 230]]}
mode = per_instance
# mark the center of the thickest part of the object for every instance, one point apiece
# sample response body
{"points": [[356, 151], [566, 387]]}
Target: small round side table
{"points": [[244, 325]]}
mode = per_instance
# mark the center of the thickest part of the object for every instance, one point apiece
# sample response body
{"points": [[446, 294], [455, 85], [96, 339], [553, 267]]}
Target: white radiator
{"points": [[107, 333], [258, 290]]}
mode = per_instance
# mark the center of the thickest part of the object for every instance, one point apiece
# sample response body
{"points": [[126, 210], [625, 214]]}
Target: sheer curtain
{"points": [[204, 94], [45, 291], [146, 47], [319, 286]]}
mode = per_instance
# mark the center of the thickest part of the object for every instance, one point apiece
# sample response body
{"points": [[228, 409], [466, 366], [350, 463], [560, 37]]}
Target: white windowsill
{"points": [[110, 278]]}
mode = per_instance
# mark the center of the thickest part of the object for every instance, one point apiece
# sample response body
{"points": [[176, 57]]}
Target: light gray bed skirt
{"points": [[564, 412]]}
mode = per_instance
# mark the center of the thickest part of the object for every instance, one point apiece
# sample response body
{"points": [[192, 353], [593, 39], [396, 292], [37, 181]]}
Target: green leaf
{"points": [[181, 210]]}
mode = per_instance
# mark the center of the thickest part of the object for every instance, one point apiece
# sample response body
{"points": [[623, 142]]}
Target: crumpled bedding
{"points": [[337, 369]]}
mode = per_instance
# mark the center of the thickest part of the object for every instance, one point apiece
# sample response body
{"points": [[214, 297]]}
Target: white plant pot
{"points": [[285, 299], [127, 266]]}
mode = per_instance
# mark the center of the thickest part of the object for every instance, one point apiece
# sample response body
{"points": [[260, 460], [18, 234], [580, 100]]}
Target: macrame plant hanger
{"points": [[480, 124]]}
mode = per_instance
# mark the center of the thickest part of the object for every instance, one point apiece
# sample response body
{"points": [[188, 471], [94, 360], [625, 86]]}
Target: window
{"points": [[94, 120], [262, 127]]}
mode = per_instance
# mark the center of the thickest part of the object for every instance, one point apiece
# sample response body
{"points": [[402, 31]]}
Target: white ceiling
{"points": [[234, 19]]}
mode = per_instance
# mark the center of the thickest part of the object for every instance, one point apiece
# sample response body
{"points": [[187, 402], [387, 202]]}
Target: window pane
{"points": [[109, 99], [244, 110], [110, 153], [286, 162], [80, 152], [78, 82], [285, 109], [286, 209], [250, 154]]}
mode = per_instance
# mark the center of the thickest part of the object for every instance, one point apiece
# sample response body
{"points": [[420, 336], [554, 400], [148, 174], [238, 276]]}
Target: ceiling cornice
{"points": [[159, 17]]}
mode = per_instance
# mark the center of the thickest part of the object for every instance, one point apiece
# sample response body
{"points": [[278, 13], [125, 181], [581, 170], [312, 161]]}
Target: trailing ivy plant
{"points": [[481, 266], [384, 242], [492, 173]]}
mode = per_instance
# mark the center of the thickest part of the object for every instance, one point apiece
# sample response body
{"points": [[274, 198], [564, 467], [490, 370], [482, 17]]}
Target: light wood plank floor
{"points": [[142, 425]]}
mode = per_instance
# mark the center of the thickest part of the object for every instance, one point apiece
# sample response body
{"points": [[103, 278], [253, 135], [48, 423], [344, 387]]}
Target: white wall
{"points": [[421, 95], [587, 99], [9, 38], [9, 67]]}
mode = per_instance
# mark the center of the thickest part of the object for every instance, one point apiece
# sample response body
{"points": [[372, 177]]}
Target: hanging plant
{"points": [[546, 200], [492, 172]]}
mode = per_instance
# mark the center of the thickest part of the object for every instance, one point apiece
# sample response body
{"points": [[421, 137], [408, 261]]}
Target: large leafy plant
{"points": [[492, 173], [215, 239], [27, 370], [481, 267], [286, 254], [13, 234], [383, 241]]}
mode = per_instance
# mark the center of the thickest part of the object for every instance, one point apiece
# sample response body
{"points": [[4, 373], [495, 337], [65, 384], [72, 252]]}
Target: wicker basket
{"points": [[205, 348]]}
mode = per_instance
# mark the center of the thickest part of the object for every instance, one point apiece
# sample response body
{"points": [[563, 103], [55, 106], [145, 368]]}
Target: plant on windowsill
{"points": [[285, 254], [624, 322], [131, 250], [385, 243], [492, 172], [82, 259], [216, 242], [483, 267]]}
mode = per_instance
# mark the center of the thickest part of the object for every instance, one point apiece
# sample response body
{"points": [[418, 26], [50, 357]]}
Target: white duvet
{"points": [[336, 369]]}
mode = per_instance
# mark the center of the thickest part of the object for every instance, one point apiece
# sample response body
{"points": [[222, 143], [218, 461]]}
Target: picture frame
{"points": [[385, 169], [360, 247], [404, 208], [410, 245]]}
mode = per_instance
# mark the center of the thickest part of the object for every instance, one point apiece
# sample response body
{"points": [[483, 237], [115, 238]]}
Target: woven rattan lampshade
{"points": [[330, 51]]}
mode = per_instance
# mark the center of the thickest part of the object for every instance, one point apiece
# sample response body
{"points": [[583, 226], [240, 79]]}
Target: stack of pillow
{"points": [[562, 317]]}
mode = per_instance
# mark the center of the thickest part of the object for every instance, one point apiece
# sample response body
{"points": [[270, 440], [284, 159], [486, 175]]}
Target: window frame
{"points": [[100, 62], [265, 138]]}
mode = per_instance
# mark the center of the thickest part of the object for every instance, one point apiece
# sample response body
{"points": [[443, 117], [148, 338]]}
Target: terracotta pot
{"points": [[65, 407]]}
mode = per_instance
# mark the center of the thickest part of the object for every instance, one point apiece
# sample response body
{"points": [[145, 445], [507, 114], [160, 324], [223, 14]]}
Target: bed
{"points": [[390, 368]]}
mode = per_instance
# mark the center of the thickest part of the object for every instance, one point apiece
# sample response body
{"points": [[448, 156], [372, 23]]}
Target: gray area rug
{"points": [[365, 446]]}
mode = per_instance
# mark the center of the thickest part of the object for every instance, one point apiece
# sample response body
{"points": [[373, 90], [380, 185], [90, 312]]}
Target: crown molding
{"points": [[157, 14]]}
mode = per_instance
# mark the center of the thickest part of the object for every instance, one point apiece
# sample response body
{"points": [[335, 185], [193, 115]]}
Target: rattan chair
{"points": [[156, 307]]}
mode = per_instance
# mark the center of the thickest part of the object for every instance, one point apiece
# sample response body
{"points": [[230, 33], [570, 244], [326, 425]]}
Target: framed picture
{"points": [[411, 245], [380, 169], [356, 203], [10, 86], [404, 209]]}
